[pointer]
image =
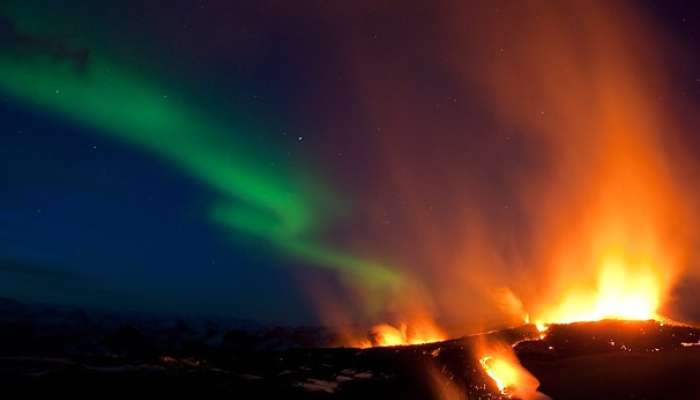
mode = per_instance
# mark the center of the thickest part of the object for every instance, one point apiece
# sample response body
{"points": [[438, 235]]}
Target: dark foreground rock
{"points": [[600, 360]]}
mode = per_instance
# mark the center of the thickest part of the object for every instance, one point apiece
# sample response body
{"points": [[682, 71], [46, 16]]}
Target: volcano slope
{"points": [[591, 360]]}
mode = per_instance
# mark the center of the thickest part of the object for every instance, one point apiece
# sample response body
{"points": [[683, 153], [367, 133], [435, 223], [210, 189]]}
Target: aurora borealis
{"points": [[286, 161], [278, 207]]}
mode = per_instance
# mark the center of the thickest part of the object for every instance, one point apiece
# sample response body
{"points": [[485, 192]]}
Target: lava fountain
{"points": [[609, 228]]}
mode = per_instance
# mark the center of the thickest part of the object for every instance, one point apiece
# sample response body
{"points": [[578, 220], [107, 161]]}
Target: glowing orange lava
{"points": [[512, 379], [388, 335], [626, 288]]}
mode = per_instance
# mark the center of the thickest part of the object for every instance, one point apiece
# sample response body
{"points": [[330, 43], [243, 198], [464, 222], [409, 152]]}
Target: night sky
{"points": [[256, 159]]}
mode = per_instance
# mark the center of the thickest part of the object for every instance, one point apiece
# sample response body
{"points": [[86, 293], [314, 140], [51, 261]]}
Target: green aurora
{"points": [[283, 209]]}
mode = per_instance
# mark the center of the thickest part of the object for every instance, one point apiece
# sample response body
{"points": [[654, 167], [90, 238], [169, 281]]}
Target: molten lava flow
{"points": [[503, 373], [512, 379], [418, 332]]}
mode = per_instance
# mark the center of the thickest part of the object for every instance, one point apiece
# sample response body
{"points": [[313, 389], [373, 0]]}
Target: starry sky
{"points": [[248, 158]]}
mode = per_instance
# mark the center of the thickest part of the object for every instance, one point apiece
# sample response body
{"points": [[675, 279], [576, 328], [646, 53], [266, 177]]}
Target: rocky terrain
{"points": [[67, 352]]}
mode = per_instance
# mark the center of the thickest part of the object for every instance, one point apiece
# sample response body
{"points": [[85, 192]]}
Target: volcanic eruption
{"points": [[603, 227], [520, 213]]}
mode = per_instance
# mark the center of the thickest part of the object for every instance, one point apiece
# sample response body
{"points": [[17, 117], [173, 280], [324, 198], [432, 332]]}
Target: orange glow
{"points": [[541, 327], [443, 387], [575, 191], [504, 373], [623, 291], [625, 288], [420, 332], [609, 218], [512, 379], [387, 335]]}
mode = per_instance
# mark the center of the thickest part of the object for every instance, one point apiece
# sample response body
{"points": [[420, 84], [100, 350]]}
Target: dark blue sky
{"points": [[96, 221]]}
